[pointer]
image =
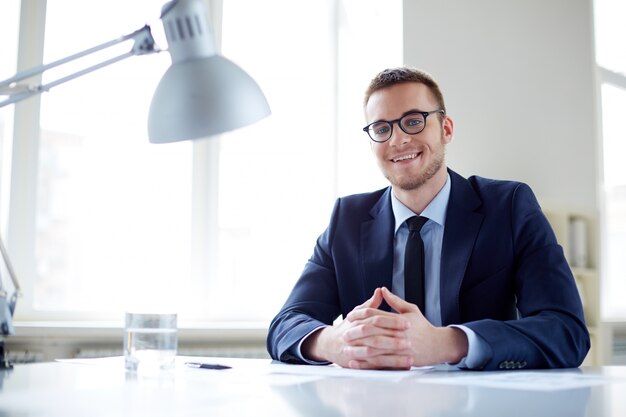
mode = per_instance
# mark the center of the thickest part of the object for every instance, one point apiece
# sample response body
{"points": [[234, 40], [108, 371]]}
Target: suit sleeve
{"points": [[550, 331], [313, 302]]}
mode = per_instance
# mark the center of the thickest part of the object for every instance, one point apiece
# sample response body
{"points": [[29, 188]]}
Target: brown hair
{"points": [[392, 76]]}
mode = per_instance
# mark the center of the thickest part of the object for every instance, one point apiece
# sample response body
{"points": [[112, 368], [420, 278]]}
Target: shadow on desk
{"points": [[418, 398]]}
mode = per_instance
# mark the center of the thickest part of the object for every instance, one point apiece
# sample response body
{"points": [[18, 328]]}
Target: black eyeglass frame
{"points": [[425, 114]]}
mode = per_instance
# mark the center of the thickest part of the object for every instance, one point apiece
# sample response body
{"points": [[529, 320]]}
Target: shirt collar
{"points": [[435, 210]]}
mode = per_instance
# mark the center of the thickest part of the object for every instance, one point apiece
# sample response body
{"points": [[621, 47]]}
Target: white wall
{"points": [[518, 78]]}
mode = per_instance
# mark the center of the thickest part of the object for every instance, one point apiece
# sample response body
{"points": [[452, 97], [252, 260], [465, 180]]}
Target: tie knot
{"points": [[415, 223]]}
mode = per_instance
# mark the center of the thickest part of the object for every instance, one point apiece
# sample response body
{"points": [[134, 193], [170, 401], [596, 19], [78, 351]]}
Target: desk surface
{"points": [[257, 387]]}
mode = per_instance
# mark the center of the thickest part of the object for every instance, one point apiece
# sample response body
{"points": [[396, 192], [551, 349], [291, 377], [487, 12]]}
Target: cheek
{"points": [[377, 149]]}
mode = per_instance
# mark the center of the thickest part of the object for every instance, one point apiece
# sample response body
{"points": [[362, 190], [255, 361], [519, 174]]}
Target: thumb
{"points": [[397, 303]]}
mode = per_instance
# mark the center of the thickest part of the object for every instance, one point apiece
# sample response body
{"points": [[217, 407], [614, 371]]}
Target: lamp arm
{"points": [[7, 304], [144, 44], [10, 270]]}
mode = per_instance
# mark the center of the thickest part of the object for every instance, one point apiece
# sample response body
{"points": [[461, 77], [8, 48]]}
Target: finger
{"points": [[365, 329], [374, 301], [370, 313], [380, 319], [369, 352], [389, 362], [397, 341], [397, 303]]}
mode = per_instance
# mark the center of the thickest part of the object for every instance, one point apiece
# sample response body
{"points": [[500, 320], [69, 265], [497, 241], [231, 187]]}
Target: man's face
{"points": [[409, 161]]}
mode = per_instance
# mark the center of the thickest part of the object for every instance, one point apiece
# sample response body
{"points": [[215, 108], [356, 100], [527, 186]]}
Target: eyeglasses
{"points": [[411, 124]]}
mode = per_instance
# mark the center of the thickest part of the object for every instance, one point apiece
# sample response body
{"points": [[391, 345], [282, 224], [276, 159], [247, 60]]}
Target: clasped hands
{"points": [[370, 338]]}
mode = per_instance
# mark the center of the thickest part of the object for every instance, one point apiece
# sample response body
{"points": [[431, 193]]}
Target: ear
{"points": [[448, 129]]}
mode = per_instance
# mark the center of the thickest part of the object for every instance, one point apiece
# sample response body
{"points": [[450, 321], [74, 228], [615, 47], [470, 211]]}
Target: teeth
{"points": [[404, 158]]}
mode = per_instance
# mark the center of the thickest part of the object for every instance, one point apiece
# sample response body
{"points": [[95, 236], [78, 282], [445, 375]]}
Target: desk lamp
{"points": [[201, 94]]}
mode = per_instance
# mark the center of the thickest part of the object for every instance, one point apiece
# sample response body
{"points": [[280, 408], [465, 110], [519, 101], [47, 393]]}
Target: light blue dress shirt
{"points": [[432, 235]]}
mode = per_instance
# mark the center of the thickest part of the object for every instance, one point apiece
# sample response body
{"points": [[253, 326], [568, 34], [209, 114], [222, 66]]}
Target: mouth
{"points": [[407, 157]]}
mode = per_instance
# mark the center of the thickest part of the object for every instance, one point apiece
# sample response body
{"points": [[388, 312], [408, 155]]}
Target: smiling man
{"points": [[435, 268]]}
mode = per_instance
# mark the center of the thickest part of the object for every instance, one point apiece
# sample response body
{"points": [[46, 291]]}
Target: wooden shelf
{"points": [[577, 233]]}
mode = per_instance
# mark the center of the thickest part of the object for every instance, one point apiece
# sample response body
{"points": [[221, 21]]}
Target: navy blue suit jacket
{"points": [[503, 275]]}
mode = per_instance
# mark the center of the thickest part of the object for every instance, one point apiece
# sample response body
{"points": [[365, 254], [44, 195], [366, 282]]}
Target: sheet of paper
{"points": [[521, 380], [336, 371]]}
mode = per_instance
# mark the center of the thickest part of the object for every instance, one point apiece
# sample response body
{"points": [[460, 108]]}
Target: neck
{"points": [[418, 198]]}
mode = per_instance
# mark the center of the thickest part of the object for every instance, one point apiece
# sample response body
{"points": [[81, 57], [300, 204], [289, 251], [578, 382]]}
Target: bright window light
{"points": [[113, 212], [611, 58], [117, 221], [610, 33], [614, 139]]}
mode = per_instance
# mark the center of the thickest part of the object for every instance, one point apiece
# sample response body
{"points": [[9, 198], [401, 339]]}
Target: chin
{"points": [[406, 183], [410, 185], [414, 182]]}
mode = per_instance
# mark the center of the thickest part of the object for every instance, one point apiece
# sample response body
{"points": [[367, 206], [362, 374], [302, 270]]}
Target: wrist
{"points": [[312, 346], [455, 343]]}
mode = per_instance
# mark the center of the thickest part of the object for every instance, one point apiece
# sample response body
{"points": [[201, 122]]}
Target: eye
{"points": [[413, 121], [380, 129]]}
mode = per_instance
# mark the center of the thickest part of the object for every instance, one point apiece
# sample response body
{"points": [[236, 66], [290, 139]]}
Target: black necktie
{"points": [[414, 264]]}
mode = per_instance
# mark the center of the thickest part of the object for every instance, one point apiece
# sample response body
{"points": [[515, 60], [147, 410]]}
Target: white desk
{"points": [[256, 388]]}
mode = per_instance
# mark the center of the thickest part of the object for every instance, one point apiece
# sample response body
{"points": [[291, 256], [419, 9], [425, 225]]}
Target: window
{"points": [[9, 25], [611, 60], [217, 229]]}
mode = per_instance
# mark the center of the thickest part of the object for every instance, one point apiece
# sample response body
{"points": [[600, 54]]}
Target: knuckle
{"points": [[347, 351], [367, 351], [380, 342], [378, 321], [359, 314], [366, 329]]}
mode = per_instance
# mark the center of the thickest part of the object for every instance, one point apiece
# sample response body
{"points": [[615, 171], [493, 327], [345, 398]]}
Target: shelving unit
{"points": [[577, 233]]}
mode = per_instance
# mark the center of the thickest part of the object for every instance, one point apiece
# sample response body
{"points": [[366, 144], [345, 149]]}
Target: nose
{"points": [[398, 136]]}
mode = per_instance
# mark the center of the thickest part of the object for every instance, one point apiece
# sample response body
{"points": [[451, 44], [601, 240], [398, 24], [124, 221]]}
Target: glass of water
{"points": [[150, 342]]}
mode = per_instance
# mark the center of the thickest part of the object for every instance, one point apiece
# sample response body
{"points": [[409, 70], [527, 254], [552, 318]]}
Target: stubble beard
{"points": [[410, 184]]}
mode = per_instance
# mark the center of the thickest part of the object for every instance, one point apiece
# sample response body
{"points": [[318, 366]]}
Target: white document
{"points": [[550, 380], [337, 371]]}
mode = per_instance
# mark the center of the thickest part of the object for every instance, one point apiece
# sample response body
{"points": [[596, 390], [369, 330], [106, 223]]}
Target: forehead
{"points": [[392, 102]]}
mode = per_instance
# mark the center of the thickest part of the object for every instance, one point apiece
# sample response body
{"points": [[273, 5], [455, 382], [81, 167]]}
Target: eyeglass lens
{"points": [[411, 124]]}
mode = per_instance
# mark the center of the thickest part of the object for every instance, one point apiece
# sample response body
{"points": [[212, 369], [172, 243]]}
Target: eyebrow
{"points": [[403, 114]]}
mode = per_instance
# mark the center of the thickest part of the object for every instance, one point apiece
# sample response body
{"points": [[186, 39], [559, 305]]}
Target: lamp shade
{"points": [[204, 97], [202, 94]]}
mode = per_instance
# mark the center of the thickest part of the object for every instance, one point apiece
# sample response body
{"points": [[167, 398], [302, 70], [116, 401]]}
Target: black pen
{"points": [[207, 365]]}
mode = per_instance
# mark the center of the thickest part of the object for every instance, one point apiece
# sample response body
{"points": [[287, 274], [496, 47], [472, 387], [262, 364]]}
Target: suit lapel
{"points": [[377, 246], [461, 230]]}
